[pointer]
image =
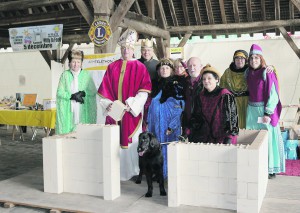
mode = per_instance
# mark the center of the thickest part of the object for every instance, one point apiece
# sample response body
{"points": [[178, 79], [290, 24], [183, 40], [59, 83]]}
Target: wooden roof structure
{"points": [[161, 19]]}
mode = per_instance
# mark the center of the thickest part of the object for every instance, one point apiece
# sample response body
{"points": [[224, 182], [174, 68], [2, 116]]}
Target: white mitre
{"points": [[128, 38]]}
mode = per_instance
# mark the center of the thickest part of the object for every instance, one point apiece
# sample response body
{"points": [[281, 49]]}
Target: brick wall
{"points": [[220, 176], [85, 162]]}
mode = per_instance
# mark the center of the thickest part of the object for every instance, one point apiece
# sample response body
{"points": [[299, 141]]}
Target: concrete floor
{"points": [[21, 181]]}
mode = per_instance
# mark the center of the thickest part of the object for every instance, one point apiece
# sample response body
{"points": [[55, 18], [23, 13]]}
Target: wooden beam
{"points": [[197, 12], [65, 56], [148, 29], [290, 41], [233, 26], [163, 20], [236, 14], [236, 11], [296, 3], [223, 14], [209, 12], [161, 49], [47, 56], [40, 17], [119, 14], [150, 8], [76, 38], [263, 13], [185, 39], [292, 16], [137, 7], [173, 13], [277, 14], [84, 10], [24, 4], [249, 10], [185, 12], [222, 9]]}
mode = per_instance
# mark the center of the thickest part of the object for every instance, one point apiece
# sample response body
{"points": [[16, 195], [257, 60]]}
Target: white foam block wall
{"points": [[85, 162], [212, 175]]}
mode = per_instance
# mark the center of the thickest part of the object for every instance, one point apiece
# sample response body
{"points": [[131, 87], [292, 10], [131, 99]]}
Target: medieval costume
{"points": [[75, 100], [151, 67], [234, 80], [165, 113], [264, 101], [214, 119], [192, 89], [127, 81]]}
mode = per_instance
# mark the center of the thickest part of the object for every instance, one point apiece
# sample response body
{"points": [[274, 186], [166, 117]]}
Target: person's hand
{"points": [[169, 131], [266, 119], [127, 108], [78, 97], [270, 69], [227, 141], [109, 107]]}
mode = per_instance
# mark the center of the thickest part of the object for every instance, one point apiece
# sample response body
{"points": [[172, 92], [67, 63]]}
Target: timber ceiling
{"points": [[180, 18]]}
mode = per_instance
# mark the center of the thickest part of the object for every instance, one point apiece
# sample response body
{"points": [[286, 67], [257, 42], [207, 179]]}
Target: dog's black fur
{"points": [[150, 162]]}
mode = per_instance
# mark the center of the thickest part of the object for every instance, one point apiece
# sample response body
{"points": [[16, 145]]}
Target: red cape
{"points": [[135, 79]]}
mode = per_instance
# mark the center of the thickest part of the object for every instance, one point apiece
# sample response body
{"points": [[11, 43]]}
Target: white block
{"points": [[194, 183], [89, 131], [208, 199], [252, 191], [189, 167], [218, 185], [242, 190], [232, 189], [247, 206], [52, 165], [218, 153], [198, 152], [227, 170], [242, 157], [111, 162], [184, 151], [208, 169], [247, 174], [226, 201]]}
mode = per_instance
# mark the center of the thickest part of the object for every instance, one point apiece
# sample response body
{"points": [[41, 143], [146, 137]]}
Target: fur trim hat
{"points": [[209, 68], [165, 61]]}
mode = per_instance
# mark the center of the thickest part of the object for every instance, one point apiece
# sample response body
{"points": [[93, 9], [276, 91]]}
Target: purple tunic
{"points": [[260, 90]]}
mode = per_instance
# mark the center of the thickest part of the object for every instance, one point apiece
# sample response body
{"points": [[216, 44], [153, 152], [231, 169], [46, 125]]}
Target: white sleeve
{"points": [[104, 103], [137, 103]]}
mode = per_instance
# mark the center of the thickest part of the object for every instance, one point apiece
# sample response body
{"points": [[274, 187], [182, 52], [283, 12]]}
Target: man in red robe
{"points": [[128, 81]]}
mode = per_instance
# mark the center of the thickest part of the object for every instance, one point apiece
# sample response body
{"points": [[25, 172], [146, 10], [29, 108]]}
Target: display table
{"points": [[34, 118]]}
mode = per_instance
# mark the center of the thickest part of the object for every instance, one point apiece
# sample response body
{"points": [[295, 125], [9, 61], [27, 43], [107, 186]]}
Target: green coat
{"points": [[88, 110], [236, 82]]}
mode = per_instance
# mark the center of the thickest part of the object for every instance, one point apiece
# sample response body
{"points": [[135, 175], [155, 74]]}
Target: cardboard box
{"points": [[49, 104]]}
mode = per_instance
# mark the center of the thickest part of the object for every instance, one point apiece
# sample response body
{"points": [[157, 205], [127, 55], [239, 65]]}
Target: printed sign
{"points": [[175, 52], [47, 37], [100, 32]]}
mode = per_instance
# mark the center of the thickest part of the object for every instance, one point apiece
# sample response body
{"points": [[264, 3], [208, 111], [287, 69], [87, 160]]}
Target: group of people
{"points": [[175, 100]]}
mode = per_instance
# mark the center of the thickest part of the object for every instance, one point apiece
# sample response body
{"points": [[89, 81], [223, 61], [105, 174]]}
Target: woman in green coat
{"points": [[75, 97]]}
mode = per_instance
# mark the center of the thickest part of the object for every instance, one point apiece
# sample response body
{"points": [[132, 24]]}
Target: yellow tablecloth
{"points": [[28, 118]]}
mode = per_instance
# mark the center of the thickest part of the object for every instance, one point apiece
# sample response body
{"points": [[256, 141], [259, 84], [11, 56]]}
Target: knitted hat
{"points": [[209, 68], [255, 49], [240, 53], [165, 61]]}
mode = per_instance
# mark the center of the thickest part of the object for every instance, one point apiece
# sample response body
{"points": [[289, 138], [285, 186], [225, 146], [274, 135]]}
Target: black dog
{"points": [[150, 162]]}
